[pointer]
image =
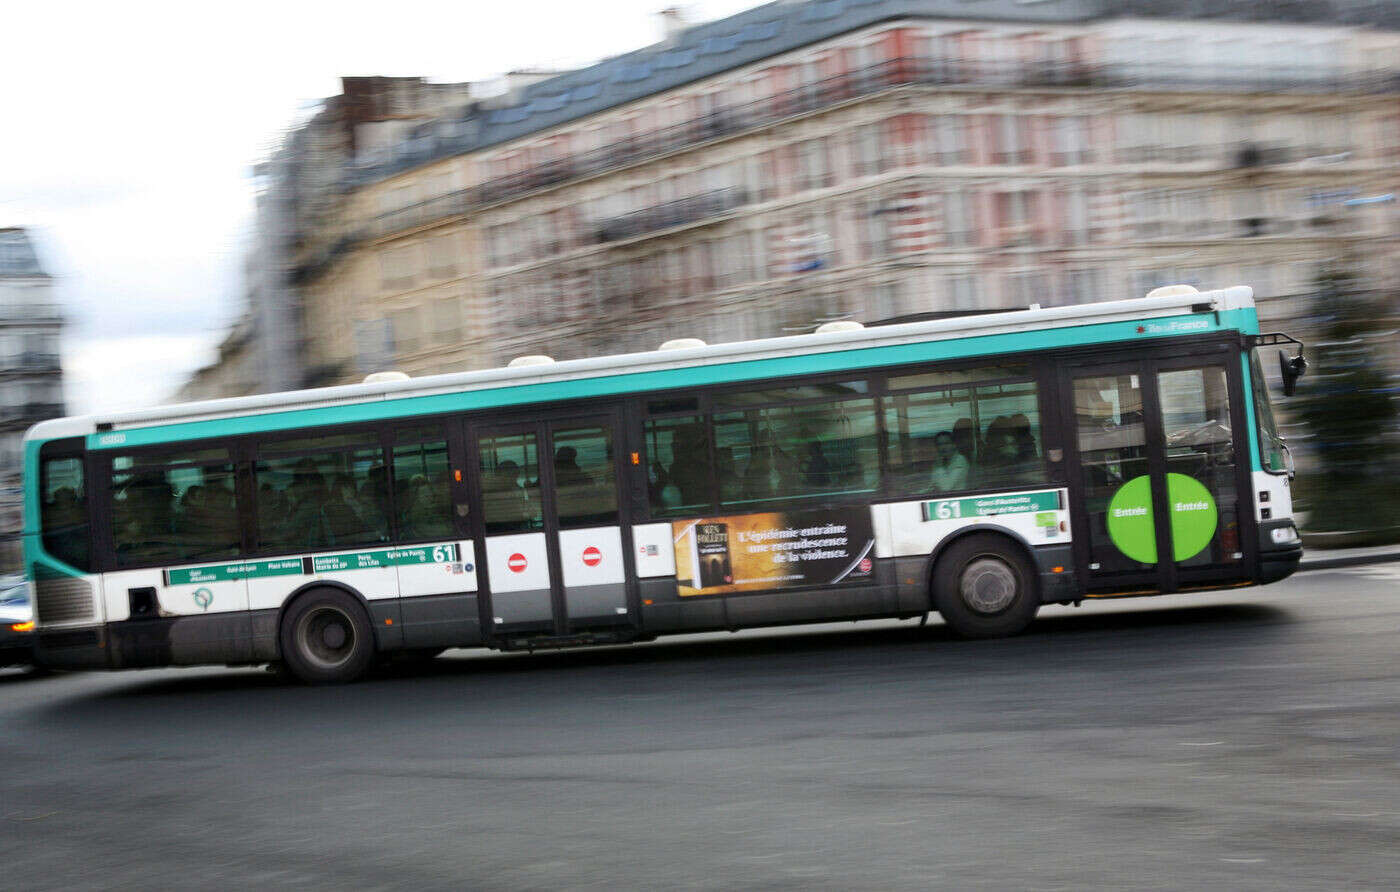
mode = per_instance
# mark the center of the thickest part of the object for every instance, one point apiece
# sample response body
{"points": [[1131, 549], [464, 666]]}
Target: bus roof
{"points": [[636, 366]]}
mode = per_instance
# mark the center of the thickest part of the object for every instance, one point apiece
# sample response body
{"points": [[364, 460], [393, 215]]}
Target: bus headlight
{"points": [[1285, 535]]}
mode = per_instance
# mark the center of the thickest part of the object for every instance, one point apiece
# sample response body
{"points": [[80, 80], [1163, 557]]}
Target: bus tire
{"points": [[985, 587], [326, 638]]}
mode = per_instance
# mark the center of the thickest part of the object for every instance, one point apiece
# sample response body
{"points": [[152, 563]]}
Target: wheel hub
{"points": [[333, 635], [988, 585], [326, 637]]}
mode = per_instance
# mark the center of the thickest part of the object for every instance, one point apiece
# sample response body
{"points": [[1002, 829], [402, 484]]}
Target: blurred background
{"points": [[762, 172]]}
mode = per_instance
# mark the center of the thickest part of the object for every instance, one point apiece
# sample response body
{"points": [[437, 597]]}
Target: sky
{"points": [[129, 131]]}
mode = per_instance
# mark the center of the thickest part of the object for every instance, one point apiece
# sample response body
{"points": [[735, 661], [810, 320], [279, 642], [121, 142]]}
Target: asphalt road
{"points": [[1235, 740]]}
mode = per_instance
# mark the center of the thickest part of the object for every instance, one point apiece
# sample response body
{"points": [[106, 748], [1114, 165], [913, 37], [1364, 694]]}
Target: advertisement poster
{"points": [[750, 552]]}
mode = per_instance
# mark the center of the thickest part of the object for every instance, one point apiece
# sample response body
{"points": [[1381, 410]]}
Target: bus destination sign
{"points": [[321, 563], [987, 506]]}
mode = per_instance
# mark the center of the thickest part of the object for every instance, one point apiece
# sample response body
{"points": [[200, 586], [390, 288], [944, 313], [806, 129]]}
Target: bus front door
{"points": [[550, 527], [1158, 505]]}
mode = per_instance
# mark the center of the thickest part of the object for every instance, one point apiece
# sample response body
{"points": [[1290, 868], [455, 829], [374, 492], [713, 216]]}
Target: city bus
{"points": [[975, 467]]}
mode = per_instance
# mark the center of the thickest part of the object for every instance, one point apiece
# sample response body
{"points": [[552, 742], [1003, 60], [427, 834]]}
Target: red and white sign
{"points": [[865, 565], [516, 563], [592, 557]]}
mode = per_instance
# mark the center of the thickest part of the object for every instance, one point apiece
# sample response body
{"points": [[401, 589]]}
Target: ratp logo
{"points": [[203, 597]]}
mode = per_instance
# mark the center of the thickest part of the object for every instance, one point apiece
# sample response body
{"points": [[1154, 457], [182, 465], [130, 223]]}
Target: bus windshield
{"points": [[1273, 453]]}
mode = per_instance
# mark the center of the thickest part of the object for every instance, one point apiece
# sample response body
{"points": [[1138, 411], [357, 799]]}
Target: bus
{"points": [[976, 467]]}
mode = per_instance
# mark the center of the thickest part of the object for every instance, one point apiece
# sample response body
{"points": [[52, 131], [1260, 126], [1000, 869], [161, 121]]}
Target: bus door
{"points": [[550, 526], [1156, 452]]}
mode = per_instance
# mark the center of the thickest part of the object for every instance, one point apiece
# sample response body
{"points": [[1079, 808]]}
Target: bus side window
{"points": [[422, 483], [678, 465], [931, 441], [322, 499], [510, 477], [63, 511], [170, 507], [798, 451], [1011, 454], [964, 430]]}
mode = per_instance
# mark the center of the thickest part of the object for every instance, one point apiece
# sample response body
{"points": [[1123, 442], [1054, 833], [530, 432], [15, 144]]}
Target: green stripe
{"points": [[388, 557], [227, 572], [321, 563], [987, 506], [723, 373]]}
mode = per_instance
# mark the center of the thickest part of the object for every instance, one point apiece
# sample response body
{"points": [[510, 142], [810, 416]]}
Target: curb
{"points": [[1351, 560]]}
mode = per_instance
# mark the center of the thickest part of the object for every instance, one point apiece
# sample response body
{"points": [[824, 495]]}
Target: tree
{"points": [[1348, 408]]}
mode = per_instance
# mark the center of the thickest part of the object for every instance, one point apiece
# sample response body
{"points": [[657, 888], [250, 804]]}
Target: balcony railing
{"points": [[731, 119], [38, 362], [672, 213]]}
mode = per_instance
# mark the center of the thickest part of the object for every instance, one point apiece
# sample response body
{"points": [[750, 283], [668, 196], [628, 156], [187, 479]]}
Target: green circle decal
{"points": [[1193, 514], [1193, 518], [1130, 520]]}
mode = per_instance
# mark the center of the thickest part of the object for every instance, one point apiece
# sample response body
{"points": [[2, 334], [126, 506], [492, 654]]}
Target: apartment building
{"points": [[31, 377], [830, 159]]}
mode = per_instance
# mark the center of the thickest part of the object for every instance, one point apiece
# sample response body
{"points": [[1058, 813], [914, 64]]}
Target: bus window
{"points": [[1272, 452], [930, 441], [422, 485], [956, 435], [323, 500], [63, 511], [787, 452], [585, 485], [510, 481], [1010, 418], [678, 466], [169, 508]]}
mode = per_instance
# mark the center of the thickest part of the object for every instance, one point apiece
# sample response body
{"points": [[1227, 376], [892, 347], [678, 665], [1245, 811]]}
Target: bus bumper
{"points": [[233, 638], [1280, 550], [80, 648]]}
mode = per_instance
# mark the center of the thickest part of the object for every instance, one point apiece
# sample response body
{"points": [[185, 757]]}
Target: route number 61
{"points": [[442, 554], [946, 510]]}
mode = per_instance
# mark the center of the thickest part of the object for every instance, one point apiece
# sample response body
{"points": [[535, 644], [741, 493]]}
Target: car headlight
{"points": [[1284, 535]]}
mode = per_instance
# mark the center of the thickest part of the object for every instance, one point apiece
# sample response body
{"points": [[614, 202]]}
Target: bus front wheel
{"points": [[984, 587], [326, 638]]}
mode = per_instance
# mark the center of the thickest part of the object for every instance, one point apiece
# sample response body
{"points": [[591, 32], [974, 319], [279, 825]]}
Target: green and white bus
{"points": [[976, 466]]}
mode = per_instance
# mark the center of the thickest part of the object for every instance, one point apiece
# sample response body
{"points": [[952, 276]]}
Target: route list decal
{"points": [[752, 552]]}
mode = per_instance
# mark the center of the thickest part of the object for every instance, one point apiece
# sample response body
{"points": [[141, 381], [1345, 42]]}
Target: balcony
{"points": [[38, 362], [671, 214], [39, 411]]}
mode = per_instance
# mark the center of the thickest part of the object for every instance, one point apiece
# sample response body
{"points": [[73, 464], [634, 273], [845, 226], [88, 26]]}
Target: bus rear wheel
{"points": [[326, 638], [984, 587]]}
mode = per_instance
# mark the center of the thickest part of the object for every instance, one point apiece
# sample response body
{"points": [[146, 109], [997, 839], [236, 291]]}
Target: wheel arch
{"points": [[1018, 541]]}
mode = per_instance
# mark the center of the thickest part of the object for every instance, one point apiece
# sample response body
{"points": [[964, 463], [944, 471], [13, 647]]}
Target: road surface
{"points": [[1246, 739]]}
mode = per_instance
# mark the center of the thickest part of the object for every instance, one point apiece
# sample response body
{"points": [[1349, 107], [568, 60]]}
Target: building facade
{"points": [[809, 161], [279, 342], [31, 377]]}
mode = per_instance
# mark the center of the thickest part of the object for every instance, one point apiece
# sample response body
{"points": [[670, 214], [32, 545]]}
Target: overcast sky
{"points": [[129, 131]]}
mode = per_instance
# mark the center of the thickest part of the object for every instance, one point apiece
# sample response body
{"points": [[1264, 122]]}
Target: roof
{"points": [[705, 50], [17, 256], [700, 51], [744, 360]]}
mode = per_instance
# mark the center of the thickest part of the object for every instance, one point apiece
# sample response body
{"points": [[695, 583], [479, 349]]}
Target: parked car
{"points": [[16, 622]]}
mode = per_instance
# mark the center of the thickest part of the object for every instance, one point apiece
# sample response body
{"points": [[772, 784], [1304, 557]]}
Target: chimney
{"points": [[672, 23]]}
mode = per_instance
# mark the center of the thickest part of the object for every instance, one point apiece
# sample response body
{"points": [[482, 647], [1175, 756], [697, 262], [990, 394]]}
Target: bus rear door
{"points": [[550, 527]]}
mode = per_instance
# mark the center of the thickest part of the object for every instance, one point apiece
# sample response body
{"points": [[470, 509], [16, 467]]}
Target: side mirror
{"points": [[1291, 369]]}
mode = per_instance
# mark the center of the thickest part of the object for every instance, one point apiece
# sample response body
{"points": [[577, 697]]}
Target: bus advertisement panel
{"points": [[751, 552]]}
